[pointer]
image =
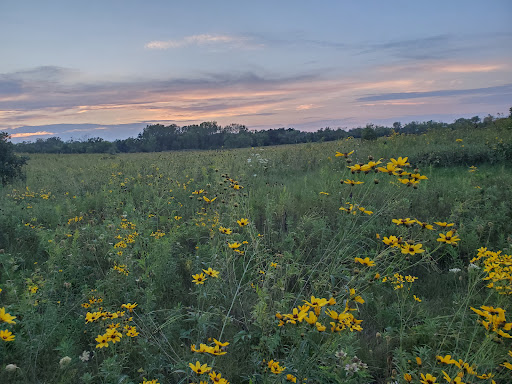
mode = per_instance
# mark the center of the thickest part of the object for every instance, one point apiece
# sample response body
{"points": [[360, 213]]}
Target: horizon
{"points": [[111, 69]]}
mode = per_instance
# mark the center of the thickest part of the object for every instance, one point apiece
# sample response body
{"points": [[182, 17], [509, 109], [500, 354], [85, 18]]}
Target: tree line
{"points": [[210, 135]]}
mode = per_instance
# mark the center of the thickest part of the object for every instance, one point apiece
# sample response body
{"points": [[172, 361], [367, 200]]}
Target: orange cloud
{"points": [[29, 134]]}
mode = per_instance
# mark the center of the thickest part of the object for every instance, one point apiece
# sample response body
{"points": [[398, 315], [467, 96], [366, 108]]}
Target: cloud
{"points": [[204, 39], [499, 90], [30, 134]]}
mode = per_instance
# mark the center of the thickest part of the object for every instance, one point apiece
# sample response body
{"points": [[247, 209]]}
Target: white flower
{"points": [[473, 266], [64, 361], [85, 356], [11, 367], [454, 270]]}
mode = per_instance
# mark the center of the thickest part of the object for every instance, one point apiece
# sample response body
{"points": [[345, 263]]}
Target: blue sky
{"points": [[109, 68]]}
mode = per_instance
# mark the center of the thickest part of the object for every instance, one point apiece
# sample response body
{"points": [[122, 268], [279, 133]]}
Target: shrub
{"points": [[10, 164]]}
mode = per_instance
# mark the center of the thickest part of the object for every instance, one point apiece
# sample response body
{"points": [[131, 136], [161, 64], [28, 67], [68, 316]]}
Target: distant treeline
{"points": [[210, 135]]}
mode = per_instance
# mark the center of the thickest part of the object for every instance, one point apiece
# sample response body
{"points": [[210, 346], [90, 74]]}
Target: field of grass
{"points": [[265, 264]]}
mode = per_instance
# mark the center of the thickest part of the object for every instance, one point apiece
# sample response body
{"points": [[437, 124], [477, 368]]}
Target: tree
{"points": [[368, 133], [10, 164]]}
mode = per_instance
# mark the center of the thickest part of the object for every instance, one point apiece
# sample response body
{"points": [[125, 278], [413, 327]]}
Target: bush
{"points": [[10, 164]]}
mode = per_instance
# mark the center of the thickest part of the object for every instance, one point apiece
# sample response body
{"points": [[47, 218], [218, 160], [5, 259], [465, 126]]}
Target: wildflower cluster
{"points": [[464, 368], [398, 280], [354, 209], [75, 219], [5, 317], [498, 267], [121, 268], [113, 332], [200, 278], [218, 349], [275, 368], [128, 235], [310, 313], [493, 320]]}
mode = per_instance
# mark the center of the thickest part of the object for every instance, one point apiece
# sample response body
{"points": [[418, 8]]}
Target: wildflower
{"points": [[425, 225], [449, 238], [273, 264], [216, 377], [132, 332], [6, 317], [290, 377], [275, 367], [416, 298], [444, 224], [352, 182], [365, 261], [392, 240], [507, 365], [407, 221], [472, 169], [5, 335], [445, 360], [209, 201], [102, 341], [412, 249], [85, 356], [113, 335], [199, 278], [324, 193], [129, 307], [343, 154], [400, 162], [243, 222], [391, 169], [211, 272], [320, 327], [234, 245], [418, 361], [225, 231], [64, 361], [199, 369], [407, 377], [454, 270]]}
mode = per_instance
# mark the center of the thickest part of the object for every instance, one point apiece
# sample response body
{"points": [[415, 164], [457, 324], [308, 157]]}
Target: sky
{"points": [[77, 69]]}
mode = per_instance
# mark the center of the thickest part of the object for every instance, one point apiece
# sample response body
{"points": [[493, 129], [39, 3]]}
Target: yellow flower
{"points": [[209, 201], [275, 368], [418, 361], [444, 224], [412, 249], [507, 365], [129, 307], [243, 222], [6, 317], [199, 278], [400, 162], [416, 298], [407, 377], [429, 379], [234, 245], [225, 231], [449, 238], [320, 327], [102, 341], [5, 335], [352, 182], [199, 369], [290, 377], [211, 272], [343, 154], [392, 240], [365, 261]]}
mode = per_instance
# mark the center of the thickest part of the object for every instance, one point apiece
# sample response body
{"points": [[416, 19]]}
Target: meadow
{"points": [[385, 261]]}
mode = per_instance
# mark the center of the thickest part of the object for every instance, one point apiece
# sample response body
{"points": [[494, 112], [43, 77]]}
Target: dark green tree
{"points": [[10, 164]]}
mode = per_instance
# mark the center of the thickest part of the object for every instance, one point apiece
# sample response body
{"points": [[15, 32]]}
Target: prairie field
{"points": [[383, 261]]}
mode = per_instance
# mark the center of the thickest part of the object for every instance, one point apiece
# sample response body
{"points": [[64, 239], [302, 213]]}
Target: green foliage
{"points": [[135, 228], [10, 164]]}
